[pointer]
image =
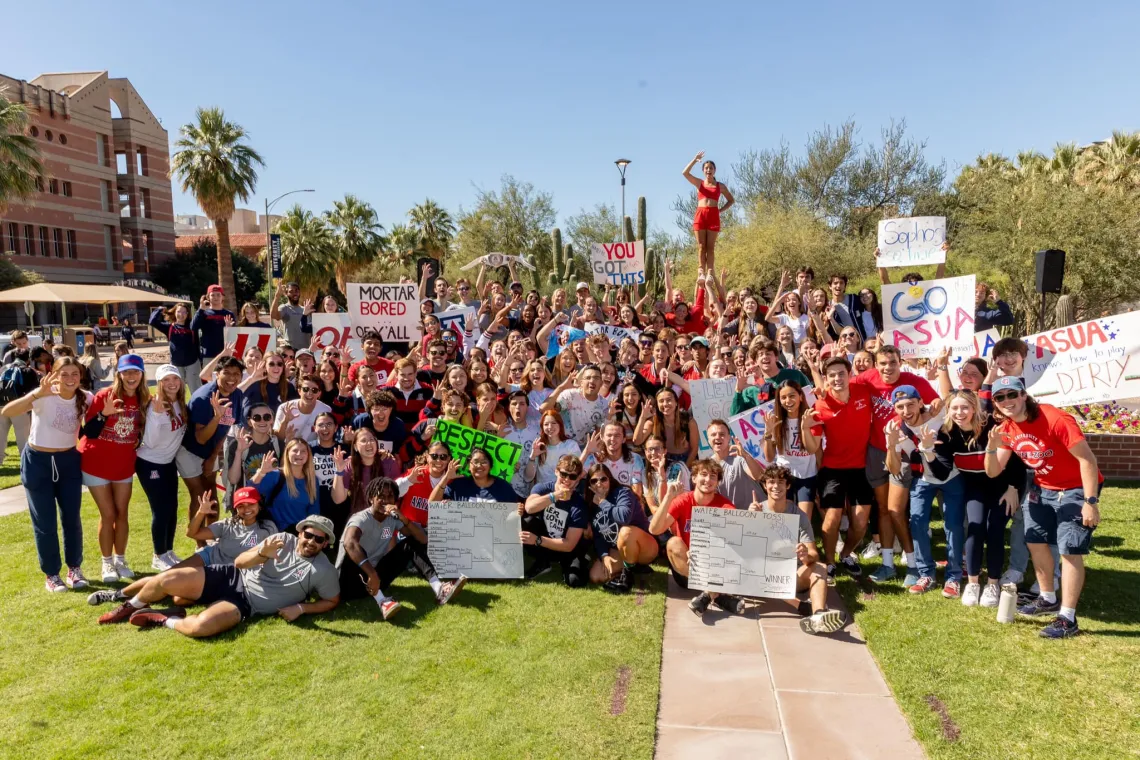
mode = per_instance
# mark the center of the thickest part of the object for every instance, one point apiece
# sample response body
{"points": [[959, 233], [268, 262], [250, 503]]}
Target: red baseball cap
{"points": [[214, 289], [247, 495]]}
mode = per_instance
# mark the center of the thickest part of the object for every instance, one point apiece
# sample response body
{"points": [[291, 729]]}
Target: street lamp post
{"points": [[268, 247], [622, 163]]}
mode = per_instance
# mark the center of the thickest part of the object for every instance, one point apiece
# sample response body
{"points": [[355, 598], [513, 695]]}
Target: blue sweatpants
{"points": [[53, 480]]}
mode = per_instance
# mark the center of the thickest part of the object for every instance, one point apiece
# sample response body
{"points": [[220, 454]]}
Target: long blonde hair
{"points": [[309, 472], [179, 400], [977, 420]]}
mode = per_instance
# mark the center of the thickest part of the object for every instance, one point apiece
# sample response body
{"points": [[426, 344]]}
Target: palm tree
{"points": [[434, 227], [20, 165], [402, 244], [219, 168], [1063, 166], [1031, 164], [357, 236], [308, 250], [1115, 163]]}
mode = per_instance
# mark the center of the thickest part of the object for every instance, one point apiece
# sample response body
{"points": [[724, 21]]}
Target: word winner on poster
{"points": [[391, 310]]}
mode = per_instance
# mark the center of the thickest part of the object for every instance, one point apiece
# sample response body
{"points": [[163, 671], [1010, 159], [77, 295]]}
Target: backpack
{"points": [[18, 379]]}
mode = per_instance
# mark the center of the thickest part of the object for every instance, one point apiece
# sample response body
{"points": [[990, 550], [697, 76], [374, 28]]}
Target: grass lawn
{"points": [[510, 669], [1006, 692], [10, 467]]}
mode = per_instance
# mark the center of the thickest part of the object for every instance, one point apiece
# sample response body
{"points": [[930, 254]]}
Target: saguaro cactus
{"points": [[1065, 311], [629, 229], [571, 267], [641, 220], [557, 260]]}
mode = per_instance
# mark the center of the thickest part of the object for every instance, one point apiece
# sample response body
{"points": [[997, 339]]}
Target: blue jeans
{"points": [[953, 515], [50, 480]]}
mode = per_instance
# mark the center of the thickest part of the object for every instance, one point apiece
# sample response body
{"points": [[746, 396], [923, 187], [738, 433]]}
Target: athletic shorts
{"points": [[707, 218], [838, 487], [1054, 517], [905, 479], [92, 480], [803, 489], [224, 584], [876, 467], [682, 581], [206, 554], [189, 465]]}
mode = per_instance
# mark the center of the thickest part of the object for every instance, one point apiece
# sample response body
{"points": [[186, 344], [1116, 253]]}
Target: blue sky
{"points": [[396, 102]]}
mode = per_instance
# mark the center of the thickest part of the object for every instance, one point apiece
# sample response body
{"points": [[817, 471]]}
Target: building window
{"points": [[29, 240], [48, 135], [147, 247], [141, 165], [66, 189], [124, 204], [57, 239], [144, 199], [40, 186], [14, 237], [63, 139], [121, 163], [53, 186], [105, 195], [72, 248], [101, 151], [35, 131], [44, 242]]}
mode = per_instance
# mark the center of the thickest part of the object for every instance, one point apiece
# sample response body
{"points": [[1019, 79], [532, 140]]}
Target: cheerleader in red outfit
{"points": [[706, 223]]}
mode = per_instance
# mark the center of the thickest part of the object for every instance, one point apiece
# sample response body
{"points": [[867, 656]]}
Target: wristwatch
{"points": [[538, 540], [1092, 501]]}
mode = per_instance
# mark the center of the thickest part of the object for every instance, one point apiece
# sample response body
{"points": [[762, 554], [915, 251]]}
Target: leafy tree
{"points": [[308, 250], [20, 164], [600, 225], [15, 276], [1115, 162], [515, 220], [214, 163], [433, 226], [358, 236], [189, 273]]}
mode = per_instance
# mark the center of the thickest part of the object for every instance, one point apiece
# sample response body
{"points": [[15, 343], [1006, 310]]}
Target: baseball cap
{"points": [[699, 340], [214, 289], [247, 495], [904, 392], [581, 285], [304, 352], [166, 370], [1008, 383], [130, 361], [516, 284], [321, 523]]}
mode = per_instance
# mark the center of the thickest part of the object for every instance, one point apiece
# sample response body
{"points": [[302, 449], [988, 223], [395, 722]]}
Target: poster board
{"points": [[711, 400], [265, 338], [983, 347], [479, 539], [393, 310], [336, 330], [618, 264], [1093, 361], [912, 241], [460, 440], [456, 319], [923, 318], [735, 551], [615, 333]]}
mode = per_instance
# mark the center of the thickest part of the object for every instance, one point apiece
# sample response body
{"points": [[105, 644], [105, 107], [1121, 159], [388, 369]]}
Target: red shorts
{"points": [[707, 218]]}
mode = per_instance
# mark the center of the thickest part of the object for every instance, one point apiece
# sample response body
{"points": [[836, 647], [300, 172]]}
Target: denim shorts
{"points": [[91, 480], [1054, 517], [206, 553]]}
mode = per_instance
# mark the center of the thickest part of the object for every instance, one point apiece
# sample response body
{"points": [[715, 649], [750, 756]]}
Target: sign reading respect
{"points": [[460, 440]]}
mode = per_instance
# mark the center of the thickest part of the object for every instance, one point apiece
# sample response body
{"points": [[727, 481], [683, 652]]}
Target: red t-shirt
{"points": [[111, 456], [1044, 447], [847, 427], [414, 504], [881, 396], [681, 510], [382, 366]]}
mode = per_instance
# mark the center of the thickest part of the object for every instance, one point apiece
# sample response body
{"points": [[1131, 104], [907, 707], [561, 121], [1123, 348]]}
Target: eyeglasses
{"points": [[567, 475], [261, 417], [655, 450], [645, 343], [289, 356], [599, 479], [439, 457], [999, 397], [517, 369], [449, 339], [310, 390], [314, 536]]}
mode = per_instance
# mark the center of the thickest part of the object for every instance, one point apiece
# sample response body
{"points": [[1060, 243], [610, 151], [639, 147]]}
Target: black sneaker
{"points": [[699, 603], [539, 568], [1060, 628], [621, 583], [850, 565], [1039, 608], [831, 575], [729, 603], [106, 595]]}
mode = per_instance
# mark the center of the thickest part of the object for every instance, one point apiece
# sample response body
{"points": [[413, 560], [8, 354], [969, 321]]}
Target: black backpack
{"points": [[18, 379]]}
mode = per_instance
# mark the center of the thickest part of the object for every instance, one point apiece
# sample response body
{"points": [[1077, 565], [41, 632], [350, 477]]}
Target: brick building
{"points": [[104, 207]]}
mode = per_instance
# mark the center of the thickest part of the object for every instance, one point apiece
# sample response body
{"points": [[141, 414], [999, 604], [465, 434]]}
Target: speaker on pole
{"points": [[1050, 271]]}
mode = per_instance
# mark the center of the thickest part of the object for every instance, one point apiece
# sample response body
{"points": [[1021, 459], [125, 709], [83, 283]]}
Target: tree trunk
{"points": [[226, 264]]}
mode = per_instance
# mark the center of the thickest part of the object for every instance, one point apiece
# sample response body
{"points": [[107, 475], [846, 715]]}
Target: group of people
{"points": [[310, 469]]}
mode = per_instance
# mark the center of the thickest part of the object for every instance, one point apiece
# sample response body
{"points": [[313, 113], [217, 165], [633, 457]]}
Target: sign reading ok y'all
{"points": [[1094, 361], [265, 338], [912, 241], [460, 440], [391, 310], [618, 263], [923, 318]]}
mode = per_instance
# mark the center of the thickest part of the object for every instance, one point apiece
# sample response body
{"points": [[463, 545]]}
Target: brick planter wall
{"points": [[1117, 455]]}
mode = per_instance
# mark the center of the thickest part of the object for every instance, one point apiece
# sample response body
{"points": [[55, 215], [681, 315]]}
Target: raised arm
{"points": [[688, 172]]}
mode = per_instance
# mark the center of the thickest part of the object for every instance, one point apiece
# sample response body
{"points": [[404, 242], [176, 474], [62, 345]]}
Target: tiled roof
{"points": [[244, 240]]}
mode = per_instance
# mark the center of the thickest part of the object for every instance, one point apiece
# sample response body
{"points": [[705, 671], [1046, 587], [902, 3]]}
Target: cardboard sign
{"points": [[923, 318], [618, 263], [460, 440], [479, 539], [983, 347], [747, 430], [735, 551], [336, 330], [613, 332], [265, 338], [391, 310], [712, 399], [911, 241], [1098, 360]]}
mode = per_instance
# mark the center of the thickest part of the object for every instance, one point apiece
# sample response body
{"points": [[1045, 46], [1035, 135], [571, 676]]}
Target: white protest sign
{"points": [[923, 318], [265, 338], [983, 348], [1093, 361], [615, 333], [456, 319], [497, 260], [747, 430], [336, 330], [911, 241], [479, 539], [734, 551], [712, 399], [391, 310], [618, 263]]}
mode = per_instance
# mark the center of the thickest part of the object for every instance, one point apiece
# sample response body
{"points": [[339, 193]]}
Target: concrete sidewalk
{"points": [[756, 686], [13, 500]]}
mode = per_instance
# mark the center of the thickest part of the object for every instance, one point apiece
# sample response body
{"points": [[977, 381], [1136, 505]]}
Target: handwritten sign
{"points": [[912, 241], [336, 330], [391, 310], [1094, 361], [618, 263], [460, 440], [479, 539], [712, 400], [615, 333], [747, 429], [265, 338], [497, 260], [734, 551], [922, 318], [983, 348]]}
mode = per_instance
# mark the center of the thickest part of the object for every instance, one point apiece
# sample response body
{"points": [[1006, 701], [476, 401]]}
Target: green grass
{"points": [[1011, 693], [10, 466], [510, 669]]}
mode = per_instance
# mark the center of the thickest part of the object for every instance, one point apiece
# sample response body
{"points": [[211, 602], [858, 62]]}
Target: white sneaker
{"points": [[159, 562], [172, 558], [991, 595], [971, 594], [1012, 576], [110, 574], [122, 569], [839, 546], [873, 549]]}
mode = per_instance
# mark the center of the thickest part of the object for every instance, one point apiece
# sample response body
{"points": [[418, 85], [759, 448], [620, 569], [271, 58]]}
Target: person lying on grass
{"points": [[274, 577]]}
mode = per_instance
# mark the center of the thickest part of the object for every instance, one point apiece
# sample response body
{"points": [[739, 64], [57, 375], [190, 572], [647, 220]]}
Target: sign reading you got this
{"points": [[391, 310], [618, 263]]}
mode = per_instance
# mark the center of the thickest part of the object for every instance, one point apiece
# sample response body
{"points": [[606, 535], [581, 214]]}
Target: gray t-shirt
{"points": [[231, 538], [375, 536], [289, 579], [737, 484], [807, 535], [291, 319]]}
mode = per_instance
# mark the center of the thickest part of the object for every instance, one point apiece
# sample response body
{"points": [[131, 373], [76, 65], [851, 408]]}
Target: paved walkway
{"points": [[12, 500], [756, 686]]}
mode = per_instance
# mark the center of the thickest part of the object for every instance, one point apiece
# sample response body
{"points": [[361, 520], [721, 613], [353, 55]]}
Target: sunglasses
{"points": [[439, 457], [463, 288], [275, 364], [437, 353], [261, 417], [567, 475], [517, 369], [310, 390], [320, 539], [599, 479], [999, 397]]}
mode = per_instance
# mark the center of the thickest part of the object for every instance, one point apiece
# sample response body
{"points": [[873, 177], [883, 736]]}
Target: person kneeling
{"points": [[553, 521], [621, 531], [811, 575], [276, 576]]}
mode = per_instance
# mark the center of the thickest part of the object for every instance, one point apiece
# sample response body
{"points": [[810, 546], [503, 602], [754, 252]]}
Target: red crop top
{"points": [[704, 192]]}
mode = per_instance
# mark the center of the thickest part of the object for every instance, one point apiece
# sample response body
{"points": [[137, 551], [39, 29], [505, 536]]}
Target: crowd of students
{"points": [[310, 470]]}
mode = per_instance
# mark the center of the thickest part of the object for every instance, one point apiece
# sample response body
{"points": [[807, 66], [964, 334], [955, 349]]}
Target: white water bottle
{"points": [[1007, 604]]}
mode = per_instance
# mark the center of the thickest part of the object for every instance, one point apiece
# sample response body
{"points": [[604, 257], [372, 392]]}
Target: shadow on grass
{"points": [[415, 604], [1109, 596]]}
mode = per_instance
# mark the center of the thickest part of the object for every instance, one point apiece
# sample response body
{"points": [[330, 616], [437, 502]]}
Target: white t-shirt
{"points": [[631, 473], [905, 447], [302, 423], [544, 471], [56, 422], [162, 436], [798, 324], [799, 461], [580, 415], [537, 396], [524, 437]]}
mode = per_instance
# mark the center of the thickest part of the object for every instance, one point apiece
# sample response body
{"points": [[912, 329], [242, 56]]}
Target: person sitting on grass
{"points": [[275, 577], [705, 474], [553, 522], [377, 555], [622, 543], [811, 574]]}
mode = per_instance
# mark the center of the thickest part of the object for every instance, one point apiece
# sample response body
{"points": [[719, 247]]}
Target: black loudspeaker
{"points": [[1050, 271]]}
